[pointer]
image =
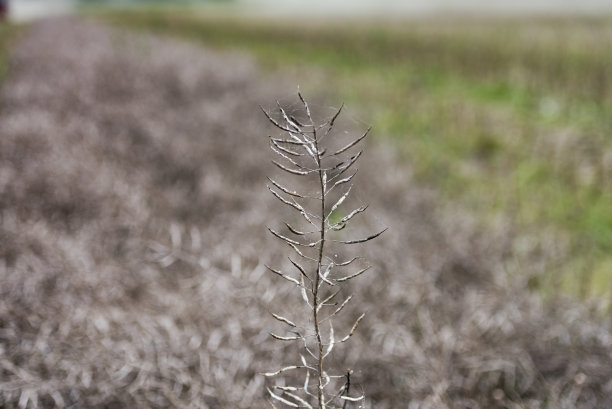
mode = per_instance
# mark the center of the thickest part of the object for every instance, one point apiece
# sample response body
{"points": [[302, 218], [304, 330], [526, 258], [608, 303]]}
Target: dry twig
{"points": [[302, 155]]}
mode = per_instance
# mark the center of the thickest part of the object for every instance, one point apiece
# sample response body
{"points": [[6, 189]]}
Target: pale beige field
{"points": [[133, 209]]}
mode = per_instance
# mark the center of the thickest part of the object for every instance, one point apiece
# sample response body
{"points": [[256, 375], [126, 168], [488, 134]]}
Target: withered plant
{"points": [[306, 151]]}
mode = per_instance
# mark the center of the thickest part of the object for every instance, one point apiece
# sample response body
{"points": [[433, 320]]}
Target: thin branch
{"points": [[296, 121], [291, 141], [355, 325], [333, 118], [351, 399], [328, 299], [341, 307], [305, 106], [352, 214], [330, 124], [325, 274], [287, 368], [350, 163], [293, 204], [285, 190], [305, 297], [363, 240], [300, 253], [300, 400], [285, 401], [293, 171], [278, 337], [287, 239], [289, 121], [355, 142], [274, 122], [347, 388], [341, 181], [286, 277], [337, 227], [306, 382], [285, 388], [286, 157], [360, 272], [283, 149], [284, 320], [294, 242], [298, 232], [346, 263], [303, 359], [301, 269], [339, 202], [330, 345]]}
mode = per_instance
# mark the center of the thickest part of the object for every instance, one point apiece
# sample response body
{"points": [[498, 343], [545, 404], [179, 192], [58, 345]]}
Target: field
{"points": [[133, 210], [509, 119]]}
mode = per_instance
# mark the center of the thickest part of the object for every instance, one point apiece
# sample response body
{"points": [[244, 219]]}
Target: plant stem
{"points": [[315, 308]]}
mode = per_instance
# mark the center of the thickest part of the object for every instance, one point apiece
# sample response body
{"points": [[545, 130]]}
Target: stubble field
{"points": [[132, 227]]}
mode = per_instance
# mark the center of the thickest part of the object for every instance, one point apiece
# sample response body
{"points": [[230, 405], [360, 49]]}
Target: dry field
{"points": [[132, 240]]}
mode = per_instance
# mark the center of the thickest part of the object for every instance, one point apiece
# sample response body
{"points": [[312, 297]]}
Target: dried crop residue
{"points": [[132, 243]]}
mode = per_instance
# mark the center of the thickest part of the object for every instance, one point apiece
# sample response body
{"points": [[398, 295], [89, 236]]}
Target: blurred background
{"points": [[32, 8], [132, 198]]}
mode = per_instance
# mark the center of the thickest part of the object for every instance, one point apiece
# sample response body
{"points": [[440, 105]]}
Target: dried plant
{"points": [[303, 152]]}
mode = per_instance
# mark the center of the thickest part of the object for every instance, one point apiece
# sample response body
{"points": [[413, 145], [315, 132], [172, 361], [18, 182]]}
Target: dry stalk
{"points": [[303, 153]]}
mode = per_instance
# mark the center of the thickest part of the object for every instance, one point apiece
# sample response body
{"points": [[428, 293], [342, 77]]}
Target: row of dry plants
{"points": [[132, 248]]}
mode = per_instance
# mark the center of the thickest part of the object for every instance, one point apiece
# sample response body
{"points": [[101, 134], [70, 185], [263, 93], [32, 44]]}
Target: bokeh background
{"points": [[133, 200]]}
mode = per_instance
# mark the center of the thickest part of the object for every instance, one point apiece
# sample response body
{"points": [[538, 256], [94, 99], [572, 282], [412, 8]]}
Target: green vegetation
{"points": [[505, 117], [7, 35]]}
